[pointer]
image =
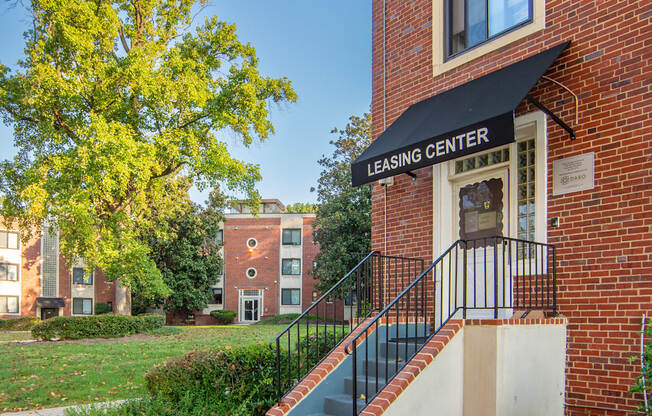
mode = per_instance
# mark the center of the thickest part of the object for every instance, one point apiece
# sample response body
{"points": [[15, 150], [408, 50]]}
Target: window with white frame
{"points": [[9, 272], [291, 267], [291, 236], [290, 296], [82, 306], [8, 304], [81, 277], [9, 239]]}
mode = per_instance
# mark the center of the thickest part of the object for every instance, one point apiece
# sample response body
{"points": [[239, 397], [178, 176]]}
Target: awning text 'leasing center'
{"points": [[470, 118]]}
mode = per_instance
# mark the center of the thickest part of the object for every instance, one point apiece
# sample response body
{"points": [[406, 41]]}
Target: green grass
{"points": [[289, 317], [14, 336], [52, 375]]}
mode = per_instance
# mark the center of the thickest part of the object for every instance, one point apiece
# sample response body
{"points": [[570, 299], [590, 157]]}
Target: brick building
{"points": [[601, 223], [268, 260], [512, 150], [35, 281]]}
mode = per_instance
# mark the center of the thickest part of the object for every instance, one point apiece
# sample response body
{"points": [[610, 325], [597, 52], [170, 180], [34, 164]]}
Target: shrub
{"points": [[237, 381], [24, 323], [101, 308], [225, 317], [99, 326]]}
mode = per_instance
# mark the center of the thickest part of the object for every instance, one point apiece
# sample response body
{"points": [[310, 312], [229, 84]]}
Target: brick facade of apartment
{"points": [[604, 235], [33, 299], [262, 289]]}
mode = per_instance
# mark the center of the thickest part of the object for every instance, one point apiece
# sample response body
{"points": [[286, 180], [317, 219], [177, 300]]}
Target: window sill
{"points": [[440, 65]]}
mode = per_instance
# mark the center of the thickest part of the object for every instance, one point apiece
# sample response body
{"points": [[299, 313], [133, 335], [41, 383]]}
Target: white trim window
{"points": [[9, 304], [9, 272], [9, 240], [290, 297], [82, 306], [291, 267]]}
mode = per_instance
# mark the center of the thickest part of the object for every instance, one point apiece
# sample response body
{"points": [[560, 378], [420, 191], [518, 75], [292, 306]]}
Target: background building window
{"points": [[80, 277], [8, 239], [290, 296], [471, 22], [351, 297], [291, 266], [251, 272], [219, 239], [292, 236], [217, 295], [8, 304], [82, 306], [9, 272]]}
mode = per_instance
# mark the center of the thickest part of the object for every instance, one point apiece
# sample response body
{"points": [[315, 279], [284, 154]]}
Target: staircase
{"points": [[481, 278]]}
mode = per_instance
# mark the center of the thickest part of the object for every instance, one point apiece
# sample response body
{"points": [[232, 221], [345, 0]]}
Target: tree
{"points": [[189, 259], [112, 103], [301, 207], [343, 223]]}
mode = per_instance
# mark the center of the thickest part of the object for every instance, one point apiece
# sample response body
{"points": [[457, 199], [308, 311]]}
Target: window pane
{"points": [[12, 304], [219, 239], [3, 239], [76, 306], [217, 296], [292, 236], [476, 22], [87, 305], [296, 266], [3, 304], [12, 272], [12, 240], [3, 272], [504, 14], [457, 41], [295, 297]]}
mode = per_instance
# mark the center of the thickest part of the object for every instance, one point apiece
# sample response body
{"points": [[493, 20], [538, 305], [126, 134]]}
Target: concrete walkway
{"points": [[58, 411]]}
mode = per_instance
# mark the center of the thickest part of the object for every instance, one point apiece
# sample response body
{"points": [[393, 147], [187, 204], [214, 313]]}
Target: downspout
{"points": [[384, 128]]}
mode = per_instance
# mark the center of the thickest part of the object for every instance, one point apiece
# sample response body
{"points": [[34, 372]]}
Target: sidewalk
{"points": [[58, 411]]}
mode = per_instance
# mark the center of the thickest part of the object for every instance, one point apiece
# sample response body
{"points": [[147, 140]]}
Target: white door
{"points": [[481, 213], [250, 306]]}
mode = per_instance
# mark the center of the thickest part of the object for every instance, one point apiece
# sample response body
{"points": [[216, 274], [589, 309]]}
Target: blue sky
{"points": [[323, 47]]}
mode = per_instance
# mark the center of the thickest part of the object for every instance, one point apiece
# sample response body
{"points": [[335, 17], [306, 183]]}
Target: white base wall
{"points": [[493, 370]]}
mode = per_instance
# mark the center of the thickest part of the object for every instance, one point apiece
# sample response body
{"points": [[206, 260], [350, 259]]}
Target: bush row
{"points": [[100, 326], [224, 317], [24, 323]]}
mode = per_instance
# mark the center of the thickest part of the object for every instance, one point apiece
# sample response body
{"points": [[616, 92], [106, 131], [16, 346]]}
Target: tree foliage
{"points": [[343, 223], [112, 102], [189, 258], [301, 207]]}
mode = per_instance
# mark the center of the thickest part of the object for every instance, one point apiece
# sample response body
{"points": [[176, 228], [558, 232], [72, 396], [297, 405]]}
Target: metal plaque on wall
{"points": [[573, 174]]}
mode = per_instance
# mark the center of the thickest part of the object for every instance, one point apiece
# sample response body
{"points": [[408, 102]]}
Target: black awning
{"points": [[470, 118], [50, 302]]}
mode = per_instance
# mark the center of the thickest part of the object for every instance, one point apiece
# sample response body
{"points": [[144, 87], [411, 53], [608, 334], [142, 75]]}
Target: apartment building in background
{"points": [[35, 280], [268, 261]]}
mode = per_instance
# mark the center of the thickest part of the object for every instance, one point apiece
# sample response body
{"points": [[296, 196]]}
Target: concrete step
{"points": [[394, 349], [370, 382], [341, 404], [384, 369]]}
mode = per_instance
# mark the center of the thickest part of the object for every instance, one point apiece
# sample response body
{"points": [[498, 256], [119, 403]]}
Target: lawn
{"points": [[15, 335], [51, 375]]}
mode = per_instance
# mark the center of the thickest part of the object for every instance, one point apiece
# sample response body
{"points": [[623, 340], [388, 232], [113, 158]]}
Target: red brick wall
{"points": [[604, 238], [265, 258], [30, 277]]}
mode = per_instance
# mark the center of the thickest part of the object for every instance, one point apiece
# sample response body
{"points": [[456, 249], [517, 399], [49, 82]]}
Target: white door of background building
{"points": [[251, 303]]}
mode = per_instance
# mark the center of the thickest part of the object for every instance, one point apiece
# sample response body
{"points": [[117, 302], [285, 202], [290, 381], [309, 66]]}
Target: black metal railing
{"points": [[478, 278], [321, 327]]}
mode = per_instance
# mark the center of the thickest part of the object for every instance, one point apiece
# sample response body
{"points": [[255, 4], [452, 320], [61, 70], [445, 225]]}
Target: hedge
{"points": [[225, 317], [238, 381], [99, 326], [24, 323]]}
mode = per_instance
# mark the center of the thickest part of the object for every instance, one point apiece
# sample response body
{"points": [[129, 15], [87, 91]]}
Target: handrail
{"points": [[325, 295], [396, 299], [499, 274]]}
